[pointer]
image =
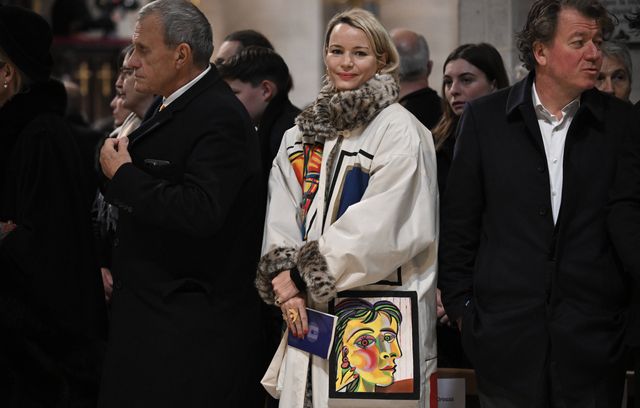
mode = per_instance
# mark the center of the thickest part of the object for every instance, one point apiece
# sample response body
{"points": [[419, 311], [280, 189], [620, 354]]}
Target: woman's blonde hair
{"points": [[385, 52]]}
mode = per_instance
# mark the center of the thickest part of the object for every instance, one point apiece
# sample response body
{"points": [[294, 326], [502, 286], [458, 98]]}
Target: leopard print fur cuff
{"points": [[311, 264]]}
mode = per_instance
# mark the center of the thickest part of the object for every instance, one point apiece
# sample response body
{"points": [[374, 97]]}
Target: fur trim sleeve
{"points": [[312, 265], [315, 273], [272, 263]]}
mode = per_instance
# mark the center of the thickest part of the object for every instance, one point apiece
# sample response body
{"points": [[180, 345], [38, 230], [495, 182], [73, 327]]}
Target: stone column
{"points": [[436, 20], [494, 22]]}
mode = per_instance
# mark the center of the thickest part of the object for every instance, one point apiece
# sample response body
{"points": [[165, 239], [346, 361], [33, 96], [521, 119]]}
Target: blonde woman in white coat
{"points": [[352, 205]]}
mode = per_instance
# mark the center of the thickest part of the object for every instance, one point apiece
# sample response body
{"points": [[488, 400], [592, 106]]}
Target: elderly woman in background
{"points": [[353, 205], [615, 73], [52, 317]]}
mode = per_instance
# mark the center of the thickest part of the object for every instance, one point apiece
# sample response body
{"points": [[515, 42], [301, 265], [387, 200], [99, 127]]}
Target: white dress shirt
{"points": [[554, 134], [167, 101]]}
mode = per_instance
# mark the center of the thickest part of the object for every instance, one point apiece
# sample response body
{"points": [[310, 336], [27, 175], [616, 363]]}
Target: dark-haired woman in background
{"points": [[470, 71]]}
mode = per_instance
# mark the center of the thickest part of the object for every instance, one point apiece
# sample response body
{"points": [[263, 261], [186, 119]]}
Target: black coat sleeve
{"points": [[624, 210], [461, 219]]}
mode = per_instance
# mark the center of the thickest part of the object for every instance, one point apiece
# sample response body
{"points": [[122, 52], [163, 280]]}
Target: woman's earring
{"points": [[6, 85]]}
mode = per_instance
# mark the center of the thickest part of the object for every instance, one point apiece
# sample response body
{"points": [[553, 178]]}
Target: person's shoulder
{"points": [[399, 128], [493, 100], [395, 114], [421, 96], [614, 110], [215, 100]]}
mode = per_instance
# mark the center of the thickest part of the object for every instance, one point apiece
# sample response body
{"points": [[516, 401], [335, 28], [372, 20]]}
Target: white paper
{"points": [[451, 393]]}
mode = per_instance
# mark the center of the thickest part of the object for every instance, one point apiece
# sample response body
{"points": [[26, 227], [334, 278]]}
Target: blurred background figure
{"points": [[470, 71], [238, 40], [52, 317], [75, 16], [137, 103], [415, 68], [105, 215], [615, 74], [111, 125]]}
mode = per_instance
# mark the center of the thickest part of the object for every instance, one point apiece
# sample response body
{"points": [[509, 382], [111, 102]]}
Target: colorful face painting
{"points": [[374, 352]]}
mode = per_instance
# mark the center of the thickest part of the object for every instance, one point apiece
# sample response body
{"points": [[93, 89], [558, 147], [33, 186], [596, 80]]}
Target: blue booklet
{"points": [[320, 337]]}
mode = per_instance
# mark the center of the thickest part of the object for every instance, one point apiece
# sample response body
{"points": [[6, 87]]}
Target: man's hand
{"points": [[440, 312], [114, 154], [107, 282], [6, 228]]}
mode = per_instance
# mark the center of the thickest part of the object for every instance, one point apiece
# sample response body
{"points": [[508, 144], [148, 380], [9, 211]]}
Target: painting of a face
{"points": [[372, 349], [375, 353]]}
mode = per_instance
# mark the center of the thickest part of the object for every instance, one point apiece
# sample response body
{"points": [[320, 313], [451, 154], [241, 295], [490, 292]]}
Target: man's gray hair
{"points": [[183, 23], [620, 52], [414, 59]]}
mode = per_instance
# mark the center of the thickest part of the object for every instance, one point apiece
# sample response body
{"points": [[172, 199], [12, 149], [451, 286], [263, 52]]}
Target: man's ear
{"points": [[268, 90], [429, 68], [540, 53], [182, 55]]}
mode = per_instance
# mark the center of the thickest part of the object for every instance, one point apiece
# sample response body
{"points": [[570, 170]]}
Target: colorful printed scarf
{"points": [[331, 113]]}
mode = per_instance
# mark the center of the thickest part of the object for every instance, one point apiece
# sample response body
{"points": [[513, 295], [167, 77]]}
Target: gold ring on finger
{"points": [[293, 315]]}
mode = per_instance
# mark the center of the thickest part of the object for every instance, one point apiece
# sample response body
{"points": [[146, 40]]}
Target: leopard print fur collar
{"points": [[335, 111]]}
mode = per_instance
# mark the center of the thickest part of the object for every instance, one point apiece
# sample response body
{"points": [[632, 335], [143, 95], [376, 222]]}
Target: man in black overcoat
{"points": [[188, 187], [526, 265]]}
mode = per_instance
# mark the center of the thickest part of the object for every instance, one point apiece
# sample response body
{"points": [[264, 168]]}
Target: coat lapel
{"points": [[160, 118], [591, 112], [520, 101]]}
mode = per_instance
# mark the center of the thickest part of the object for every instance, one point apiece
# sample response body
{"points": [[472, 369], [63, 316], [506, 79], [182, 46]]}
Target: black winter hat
{"points": [[25, 37]]}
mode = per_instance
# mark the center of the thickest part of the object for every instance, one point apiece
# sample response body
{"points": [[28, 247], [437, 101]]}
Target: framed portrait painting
{"points": [[375, 354]]}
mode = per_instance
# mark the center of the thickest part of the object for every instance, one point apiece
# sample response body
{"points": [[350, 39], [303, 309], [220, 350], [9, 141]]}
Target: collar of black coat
{"points": [[274, 109], [158, 118], [592, 100]]}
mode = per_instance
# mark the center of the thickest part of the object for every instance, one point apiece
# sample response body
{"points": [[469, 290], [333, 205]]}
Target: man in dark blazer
{"points": [[188, 187], [526, 266]]}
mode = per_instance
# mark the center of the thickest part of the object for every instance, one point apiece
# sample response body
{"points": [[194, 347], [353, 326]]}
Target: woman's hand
{"points": [[294, 312], [283, 287]]}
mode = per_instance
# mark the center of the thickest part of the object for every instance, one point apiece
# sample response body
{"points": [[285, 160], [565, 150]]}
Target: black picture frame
{"points": [[405, 298]]}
